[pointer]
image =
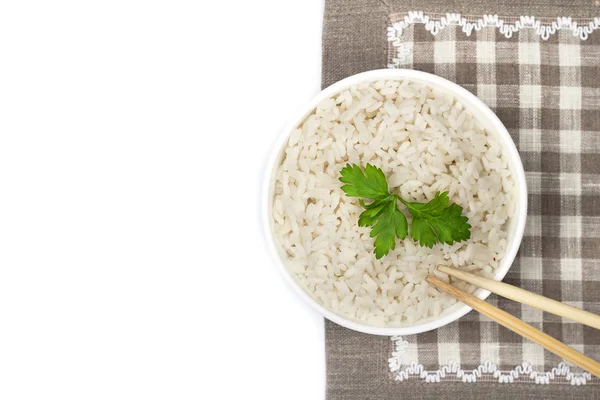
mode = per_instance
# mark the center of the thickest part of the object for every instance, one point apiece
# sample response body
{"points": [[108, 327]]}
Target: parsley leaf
{"points": [[371, 184], [438, 220], [388, 223], [432, 222], [391, 224], [373, 211]]}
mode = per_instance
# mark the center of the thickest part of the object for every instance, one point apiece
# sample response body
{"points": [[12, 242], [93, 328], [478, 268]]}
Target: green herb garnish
{"points": [[435, 221]]}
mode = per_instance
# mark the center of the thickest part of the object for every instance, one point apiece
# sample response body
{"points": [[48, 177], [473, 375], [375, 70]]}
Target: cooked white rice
{"points": [[425, 142]]}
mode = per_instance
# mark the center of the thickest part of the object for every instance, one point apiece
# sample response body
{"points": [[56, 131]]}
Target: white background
{"points": [[133, 137]]}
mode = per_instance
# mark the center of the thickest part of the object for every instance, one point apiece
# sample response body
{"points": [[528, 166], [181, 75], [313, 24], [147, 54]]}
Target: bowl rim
{"points": [[508, 146]]}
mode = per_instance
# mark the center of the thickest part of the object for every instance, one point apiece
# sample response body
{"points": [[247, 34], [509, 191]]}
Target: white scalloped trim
{"points": [[435, 23], [403, 51], [543, 27], [520, 373]]}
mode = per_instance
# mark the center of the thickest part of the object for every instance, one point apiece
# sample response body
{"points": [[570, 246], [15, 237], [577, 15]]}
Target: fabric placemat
{"points": [[537, 65]]}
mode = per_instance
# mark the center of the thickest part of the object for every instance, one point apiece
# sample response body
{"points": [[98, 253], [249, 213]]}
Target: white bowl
{"points": [[515, 226]]}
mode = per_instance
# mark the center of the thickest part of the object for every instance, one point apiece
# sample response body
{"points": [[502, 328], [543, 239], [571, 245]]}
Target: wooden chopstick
{"points": [[519, 327], [526, 297]]}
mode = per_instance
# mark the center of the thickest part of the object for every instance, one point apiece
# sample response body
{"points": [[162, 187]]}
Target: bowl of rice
{"points": [[427, 135]]}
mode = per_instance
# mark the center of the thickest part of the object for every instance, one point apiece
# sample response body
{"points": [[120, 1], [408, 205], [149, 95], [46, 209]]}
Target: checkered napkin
{"points": [[547, 94]]}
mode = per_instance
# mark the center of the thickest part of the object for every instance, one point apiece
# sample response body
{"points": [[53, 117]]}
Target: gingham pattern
{"points": [[547, 94]]}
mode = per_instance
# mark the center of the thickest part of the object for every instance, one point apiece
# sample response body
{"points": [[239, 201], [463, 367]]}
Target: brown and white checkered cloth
{"points": [[546, 90], [547, 94]]}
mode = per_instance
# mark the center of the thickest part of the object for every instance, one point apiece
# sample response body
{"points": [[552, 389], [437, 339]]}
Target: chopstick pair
{"points": [[516, 325]]}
